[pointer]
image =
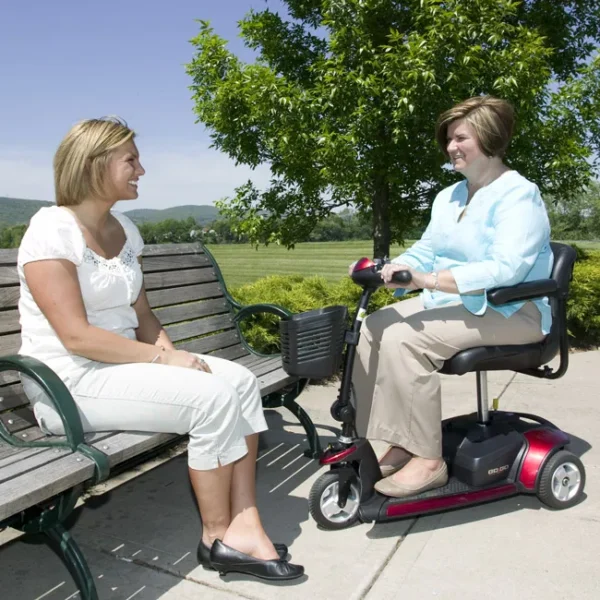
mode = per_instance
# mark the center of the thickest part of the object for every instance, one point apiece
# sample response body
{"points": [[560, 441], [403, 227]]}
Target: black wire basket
{"points": [[312, 342]]}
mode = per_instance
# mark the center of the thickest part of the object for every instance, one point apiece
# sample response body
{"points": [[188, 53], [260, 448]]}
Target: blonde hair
{"points": [[81, 160], [492, 119]]}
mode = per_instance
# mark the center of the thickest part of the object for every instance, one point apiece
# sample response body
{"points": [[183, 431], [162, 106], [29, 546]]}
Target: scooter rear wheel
{"points": [[323, 502]]}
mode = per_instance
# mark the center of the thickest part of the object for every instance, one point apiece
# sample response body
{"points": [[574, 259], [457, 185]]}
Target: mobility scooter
{"points": [[490, 454]]}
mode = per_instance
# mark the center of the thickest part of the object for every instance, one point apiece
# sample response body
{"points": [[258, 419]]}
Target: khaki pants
{"points": [[401, 347]]}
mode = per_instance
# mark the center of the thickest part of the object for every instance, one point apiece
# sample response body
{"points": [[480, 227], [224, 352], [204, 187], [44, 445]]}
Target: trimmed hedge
{"points": [[298, 293], [583, 306]]}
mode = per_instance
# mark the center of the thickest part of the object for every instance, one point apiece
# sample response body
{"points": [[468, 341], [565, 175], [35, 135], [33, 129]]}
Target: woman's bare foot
{"points": [[254, 542]]}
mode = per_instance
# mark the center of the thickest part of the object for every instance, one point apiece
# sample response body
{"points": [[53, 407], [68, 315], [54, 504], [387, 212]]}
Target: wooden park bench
{"points": [[42, 477]]}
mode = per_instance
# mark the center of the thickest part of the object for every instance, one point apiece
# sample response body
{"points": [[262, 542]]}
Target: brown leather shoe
{"points": [[387, 470], [388, 487]]}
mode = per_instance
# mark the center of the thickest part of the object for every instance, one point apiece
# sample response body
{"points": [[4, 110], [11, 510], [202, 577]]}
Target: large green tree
{"points": [[342, 100]]}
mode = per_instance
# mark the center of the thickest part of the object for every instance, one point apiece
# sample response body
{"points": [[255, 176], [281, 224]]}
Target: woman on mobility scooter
{"points": [[487, 231], [494, 293]]}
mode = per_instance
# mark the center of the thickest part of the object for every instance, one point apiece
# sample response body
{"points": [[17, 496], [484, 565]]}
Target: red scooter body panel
{"points": [[419, 507], [541, 444]]}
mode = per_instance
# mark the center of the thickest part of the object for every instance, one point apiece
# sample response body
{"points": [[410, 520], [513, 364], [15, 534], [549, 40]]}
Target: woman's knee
{"points": [[250, 397], [382, 320], [221, 406]]}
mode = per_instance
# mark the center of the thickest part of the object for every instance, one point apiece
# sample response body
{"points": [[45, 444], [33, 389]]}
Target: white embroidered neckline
{"points": [[127, 257]]}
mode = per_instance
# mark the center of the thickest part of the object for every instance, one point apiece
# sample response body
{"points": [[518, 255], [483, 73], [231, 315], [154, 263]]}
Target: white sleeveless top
{"points": [[108, 287]]}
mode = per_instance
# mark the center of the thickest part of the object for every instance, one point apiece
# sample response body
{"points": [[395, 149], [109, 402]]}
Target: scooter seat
{"points": [[496, 358], [526, 357]]}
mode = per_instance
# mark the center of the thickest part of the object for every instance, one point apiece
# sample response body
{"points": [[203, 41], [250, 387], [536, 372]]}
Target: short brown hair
{"points": [[82, 157], [492, 119]]}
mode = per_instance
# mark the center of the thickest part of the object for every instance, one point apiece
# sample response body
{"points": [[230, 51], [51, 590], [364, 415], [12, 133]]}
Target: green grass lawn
{"points": [[241, 263]]}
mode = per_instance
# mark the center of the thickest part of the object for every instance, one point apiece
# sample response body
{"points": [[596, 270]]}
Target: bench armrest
{"points": [[255, 309], [64, 405], [55, 390], [528, 290]]}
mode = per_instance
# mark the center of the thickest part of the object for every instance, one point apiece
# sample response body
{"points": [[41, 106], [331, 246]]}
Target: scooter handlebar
{"points": [[402, 277], [367, 273]]}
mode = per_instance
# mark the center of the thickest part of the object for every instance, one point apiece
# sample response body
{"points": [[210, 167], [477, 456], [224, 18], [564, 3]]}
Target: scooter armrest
{"points": [[528, 290]]}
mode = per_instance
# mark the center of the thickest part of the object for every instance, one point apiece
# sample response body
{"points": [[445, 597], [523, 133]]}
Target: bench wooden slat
{"points": [[274, 381], [9, 275], [27, 459], [9, 297], [13, 454], [211, 342], [192, 310], [7, 451], [10, 343], [231, 353], [179, 295], [18, 420], [12, 396], [189, 329], [165, 279], [31, 462], [252, 359], [31, 434], [9, 377], [153, 264], [9, 321], [8, 256], [172, 249], [266, 367]]}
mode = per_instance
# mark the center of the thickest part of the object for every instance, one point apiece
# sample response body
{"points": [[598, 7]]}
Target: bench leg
{"points": [[60, 540], [289, 401]]}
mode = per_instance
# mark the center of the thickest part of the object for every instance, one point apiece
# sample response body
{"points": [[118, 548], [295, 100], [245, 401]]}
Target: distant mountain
{"points": [[14, 211], [203, 214]]}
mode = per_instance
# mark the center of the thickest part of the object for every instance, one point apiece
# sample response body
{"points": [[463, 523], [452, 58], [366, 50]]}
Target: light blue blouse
{"points": [[502, 239]]}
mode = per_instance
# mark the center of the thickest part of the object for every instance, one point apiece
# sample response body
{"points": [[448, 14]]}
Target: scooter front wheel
{"points": [[323, 502]]}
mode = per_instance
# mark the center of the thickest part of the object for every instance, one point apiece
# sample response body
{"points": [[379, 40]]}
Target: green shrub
{"points": [[583, 306], [298, 293], [582, 253]]}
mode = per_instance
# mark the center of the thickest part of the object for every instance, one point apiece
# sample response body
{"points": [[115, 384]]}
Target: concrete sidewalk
{"points": [[140, 537]]}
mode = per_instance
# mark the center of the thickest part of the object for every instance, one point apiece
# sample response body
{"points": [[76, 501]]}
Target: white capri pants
{"points": [[218, 410]]}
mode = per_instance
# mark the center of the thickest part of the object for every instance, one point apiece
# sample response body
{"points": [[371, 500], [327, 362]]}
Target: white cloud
{"points": [[179, 174]]}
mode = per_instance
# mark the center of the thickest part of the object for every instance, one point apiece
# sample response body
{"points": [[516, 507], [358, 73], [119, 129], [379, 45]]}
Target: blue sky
{"points": [[66, 60]]}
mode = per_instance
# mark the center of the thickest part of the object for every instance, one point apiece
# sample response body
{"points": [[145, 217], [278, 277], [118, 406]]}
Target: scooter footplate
{"points": [[454, 486], [453, 495]]}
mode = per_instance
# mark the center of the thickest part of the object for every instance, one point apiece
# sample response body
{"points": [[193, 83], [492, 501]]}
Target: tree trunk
{"points": [[381, 218]]}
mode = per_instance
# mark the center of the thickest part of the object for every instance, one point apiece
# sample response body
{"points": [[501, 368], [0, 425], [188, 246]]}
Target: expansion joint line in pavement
{"points": [[385, 563], [159, 569]]}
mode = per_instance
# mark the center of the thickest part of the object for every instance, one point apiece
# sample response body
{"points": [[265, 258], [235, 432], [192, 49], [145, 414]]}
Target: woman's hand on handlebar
{"points": [[388, 271], [351, 268]]}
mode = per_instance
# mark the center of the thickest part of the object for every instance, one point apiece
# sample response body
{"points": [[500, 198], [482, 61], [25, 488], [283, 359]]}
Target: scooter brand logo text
{"points": [[498, 470]]}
